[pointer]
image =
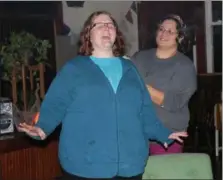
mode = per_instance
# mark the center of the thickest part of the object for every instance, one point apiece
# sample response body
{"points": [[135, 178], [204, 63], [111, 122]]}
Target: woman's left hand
{"points": [[176, 136]]}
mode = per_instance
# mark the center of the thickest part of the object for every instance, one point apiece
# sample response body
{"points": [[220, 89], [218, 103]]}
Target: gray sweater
{"points": [[176, 77]]}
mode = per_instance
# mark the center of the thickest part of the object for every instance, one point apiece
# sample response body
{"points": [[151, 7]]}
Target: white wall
{"points": [[65, 50], [75, 18]]}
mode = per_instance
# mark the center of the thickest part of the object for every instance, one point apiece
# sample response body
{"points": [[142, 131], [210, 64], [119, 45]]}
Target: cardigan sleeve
{"points": [[57, 99]]}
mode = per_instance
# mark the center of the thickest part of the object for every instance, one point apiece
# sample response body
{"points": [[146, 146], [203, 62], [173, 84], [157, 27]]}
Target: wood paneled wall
{"points": [[34, 163]]}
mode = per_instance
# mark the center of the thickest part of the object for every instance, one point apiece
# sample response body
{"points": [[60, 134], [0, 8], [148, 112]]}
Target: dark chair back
{"points": [[202, 103], [201, 127]]}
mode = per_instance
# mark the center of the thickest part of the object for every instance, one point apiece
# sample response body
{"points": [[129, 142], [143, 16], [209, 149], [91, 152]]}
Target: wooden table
{"points": [[22, 158]]}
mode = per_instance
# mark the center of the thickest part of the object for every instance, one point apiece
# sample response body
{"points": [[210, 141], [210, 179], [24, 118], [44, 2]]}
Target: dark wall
{"points": [[43, 19], [28, 8], [217, 53], [192, 12]]}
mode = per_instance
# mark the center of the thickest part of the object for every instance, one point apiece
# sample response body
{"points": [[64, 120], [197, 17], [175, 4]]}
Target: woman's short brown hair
{"points": [[85, 46]]}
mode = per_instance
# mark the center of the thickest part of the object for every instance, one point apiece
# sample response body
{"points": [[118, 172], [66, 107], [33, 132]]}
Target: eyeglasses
{"points": [[102, 25], [168, 31]]}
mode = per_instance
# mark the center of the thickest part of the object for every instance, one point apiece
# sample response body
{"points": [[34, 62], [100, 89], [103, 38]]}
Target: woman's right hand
{"points": [[32, 130]]}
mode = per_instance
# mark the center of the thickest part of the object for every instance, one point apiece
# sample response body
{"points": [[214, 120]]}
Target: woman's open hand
{"points": [[176, 136], [32, 130]]}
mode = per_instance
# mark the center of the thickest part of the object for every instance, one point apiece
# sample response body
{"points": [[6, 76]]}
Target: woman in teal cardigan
{"points": [[104, 107]]}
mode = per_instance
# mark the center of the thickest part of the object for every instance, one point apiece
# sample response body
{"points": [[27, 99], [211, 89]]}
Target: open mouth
{"points": [[163, 39], [105, 38]]}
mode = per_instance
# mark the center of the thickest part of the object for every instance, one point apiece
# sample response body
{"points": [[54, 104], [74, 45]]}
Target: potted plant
{"points": [[22, 49]]}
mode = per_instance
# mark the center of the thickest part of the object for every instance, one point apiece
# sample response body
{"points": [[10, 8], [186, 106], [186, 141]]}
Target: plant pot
{"points": [[27, 117]]}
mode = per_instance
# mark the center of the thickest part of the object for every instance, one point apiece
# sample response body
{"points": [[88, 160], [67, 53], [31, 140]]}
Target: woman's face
{"points": [[167, 34], [103, 32]]}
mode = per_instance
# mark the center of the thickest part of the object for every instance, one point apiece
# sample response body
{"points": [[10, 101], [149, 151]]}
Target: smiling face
{"points": [[103, 32], [167, 34]]}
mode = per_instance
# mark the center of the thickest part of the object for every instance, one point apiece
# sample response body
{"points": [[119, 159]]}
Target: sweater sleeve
{"points": [[153, 127], [183, 84], [57, 100]]}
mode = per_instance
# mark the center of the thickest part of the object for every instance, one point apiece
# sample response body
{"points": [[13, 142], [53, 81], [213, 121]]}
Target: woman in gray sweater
{"points": [[170, 77]]}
